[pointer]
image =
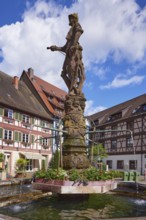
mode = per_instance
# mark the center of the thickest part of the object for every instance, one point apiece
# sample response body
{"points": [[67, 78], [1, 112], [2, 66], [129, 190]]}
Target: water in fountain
{"points": [[94, 207]]}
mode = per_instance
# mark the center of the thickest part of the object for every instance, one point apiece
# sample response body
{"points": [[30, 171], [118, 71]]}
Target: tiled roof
{"points": [[46, 89], [127, 108], [51, 89], [21, 99]]}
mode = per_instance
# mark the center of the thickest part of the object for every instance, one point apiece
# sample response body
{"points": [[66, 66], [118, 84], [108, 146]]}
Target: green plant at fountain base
{"points": [[90, 174], [51, 174]]}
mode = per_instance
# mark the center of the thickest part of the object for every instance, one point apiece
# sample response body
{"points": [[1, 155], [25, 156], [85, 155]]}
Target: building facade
{"points": [[51, 97], [122, 131], [24, 126]]}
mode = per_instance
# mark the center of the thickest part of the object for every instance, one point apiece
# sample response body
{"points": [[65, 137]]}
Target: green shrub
{"points": [[1, 157], [73, 174], [21, 164]]}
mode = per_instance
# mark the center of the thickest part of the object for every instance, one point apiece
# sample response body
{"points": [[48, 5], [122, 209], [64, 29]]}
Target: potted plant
{"points": [[21, 167], [1, 162]]}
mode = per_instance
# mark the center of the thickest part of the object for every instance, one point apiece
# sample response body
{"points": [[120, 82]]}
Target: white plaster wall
{"points": [[126, 159]]}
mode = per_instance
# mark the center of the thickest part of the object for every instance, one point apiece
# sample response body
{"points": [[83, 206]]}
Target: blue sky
{"points": [[114, 44]]}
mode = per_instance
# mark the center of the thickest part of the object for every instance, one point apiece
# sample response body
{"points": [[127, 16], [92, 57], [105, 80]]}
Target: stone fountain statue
{"points": [[74, 146]]}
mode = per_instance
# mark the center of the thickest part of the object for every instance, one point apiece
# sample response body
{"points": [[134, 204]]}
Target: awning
{"points": [[33, 156]]}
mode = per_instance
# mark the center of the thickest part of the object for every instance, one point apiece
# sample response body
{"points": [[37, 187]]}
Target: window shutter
{"points": [[1, 111], [41, 141], [1, 133], [16, 136], [41, 123], [16, 115], [20, 135], [20, 117], [31, 120], [32, 138]]}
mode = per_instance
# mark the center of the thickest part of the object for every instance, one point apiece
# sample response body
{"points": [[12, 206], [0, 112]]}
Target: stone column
{"points": [[74, 145]]}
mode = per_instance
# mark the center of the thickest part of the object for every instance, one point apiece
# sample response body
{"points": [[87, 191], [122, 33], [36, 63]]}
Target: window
{"points": [[96, 122], [129, 142], [7, 135], [45, 141], [113, 144], [133, 164], [25, 138], [144, 107], [29, 165], [8, 113], [120, 164], [109, 163], [102, 134], [115, 116], [130, 125], [45, 124], [26, 119]]}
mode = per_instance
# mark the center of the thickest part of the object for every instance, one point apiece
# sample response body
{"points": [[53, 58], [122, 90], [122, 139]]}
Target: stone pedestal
{"points": [[74, 146]]}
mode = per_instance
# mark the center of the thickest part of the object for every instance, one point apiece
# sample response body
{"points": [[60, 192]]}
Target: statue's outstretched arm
{"points": [[55, 48]]}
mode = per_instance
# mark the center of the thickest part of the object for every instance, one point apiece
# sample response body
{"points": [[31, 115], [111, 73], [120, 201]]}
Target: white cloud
{"points": [[91, 109], [121, 81], [115, 28]]}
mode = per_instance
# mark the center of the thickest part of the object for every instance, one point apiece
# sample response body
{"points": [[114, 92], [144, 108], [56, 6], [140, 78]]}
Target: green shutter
{"points": [[41, 123], [32, 121], [1, 133], [16, 115], [1, 111], [41, 141], [32, 138], [20, 117], [17, 136], [20, 136]]}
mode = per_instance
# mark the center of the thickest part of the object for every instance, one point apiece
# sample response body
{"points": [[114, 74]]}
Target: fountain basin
{"points": [[70, 187]]}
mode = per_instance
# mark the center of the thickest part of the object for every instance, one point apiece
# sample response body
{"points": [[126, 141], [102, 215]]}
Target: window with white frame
{"points": [[45, 124], [8, 135], [26, 119], [29, 165], [25, 138], [45, 141]]}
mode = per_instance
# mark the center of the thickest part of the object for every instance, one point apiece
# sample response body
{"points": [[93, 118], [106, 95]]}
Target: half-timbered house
{"points": [[122, 131]]}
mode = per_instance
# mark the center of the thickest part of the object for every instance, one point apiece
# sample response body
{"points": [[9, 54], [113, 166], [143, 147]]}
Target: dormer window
{"points": [[139, 109], [115, 116], [8, 113], [26, 119], [96, 122], [144, 107]]}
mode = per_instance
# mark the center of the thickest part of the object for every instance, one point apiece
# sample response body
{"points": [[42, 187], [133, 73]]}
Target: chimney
{"points": [[31, 73], [16, 82]]}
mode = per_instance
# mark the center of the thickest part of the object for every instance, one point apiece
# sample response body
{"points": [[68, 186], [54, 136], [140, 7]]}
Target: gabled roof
{"points": [[20, 97], [126, 108], [45, 89]]}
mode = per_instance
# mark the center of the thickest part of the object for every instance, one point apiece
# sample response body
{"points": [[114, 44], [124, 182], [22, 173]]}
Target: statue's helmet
{"points": [[74, 15]]}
